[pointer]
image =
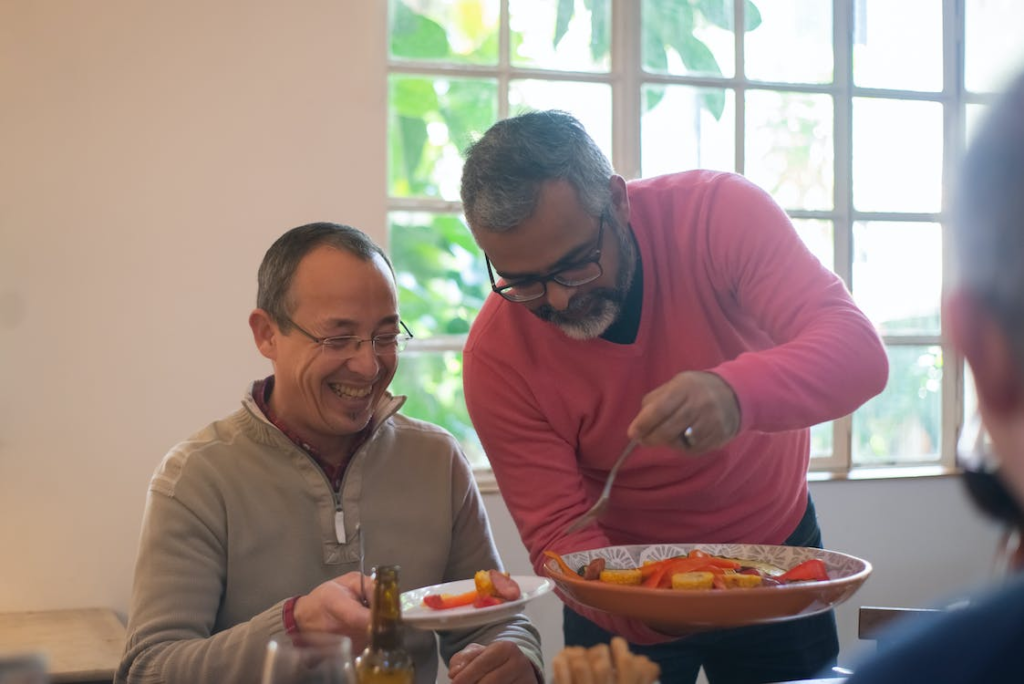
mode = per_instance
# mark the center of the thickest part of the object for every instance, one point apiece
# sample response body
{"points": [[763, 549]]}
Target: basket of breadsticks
{"points": [[603, 664]]}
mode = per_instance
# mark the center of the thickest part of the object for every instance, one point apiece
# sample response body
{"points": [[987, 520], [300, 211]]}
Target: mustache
{"points": [[577, 305]]}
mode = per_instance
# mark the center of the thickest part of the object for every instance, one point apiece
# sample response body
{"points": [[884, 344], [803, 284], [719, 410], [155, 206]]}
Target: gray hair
{"points": [[506, 167], [988, 216], [282, 260]]}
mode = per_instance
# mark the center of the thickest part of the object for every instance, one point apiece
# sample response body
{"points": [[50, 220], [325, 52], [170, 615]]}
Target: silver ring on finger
{"points": [[688, 437]]}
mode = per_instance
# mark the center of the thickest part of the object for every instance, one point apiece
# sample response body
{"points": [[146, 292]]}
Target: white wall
{"points": [[149, 154]]}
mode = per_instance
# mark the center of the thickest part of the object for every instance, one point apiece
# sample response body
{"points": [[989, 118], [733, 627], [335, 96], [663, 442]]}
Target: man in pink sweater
{"points": [[682, 311]]}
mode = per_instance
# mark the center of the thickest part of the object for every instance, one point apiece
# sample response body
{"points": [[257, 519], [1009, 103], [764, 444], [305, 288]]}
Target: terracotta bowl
{"points": [[675, 611]]}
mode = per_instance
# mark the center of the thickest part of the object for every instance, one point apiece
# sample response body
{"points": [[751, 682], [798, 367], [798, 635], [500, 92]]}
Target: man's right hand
{"points": [[336, 606]]}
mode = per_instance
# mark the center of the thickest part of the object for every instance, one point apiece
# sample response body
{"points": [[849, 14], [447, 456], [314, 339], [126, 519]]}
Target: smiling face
{"points": [[322, 397], [561, 233]]}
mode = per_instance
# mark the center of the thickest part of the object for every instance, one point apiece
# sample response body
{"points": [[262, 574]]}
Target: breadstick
{"points": [[580, 665], [560, 668], [649, 671], [623, 659], [601, 664]]}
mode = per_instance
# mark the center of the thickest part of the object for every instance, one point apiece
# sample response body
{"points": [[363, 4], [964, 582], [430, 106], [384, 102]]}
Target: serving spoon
{"points": [[602, 502]]}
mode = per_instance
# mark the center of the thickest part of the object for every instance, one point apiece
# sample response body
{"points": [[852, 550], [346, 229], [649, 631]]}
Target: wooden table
{"points": [[81, 645]]}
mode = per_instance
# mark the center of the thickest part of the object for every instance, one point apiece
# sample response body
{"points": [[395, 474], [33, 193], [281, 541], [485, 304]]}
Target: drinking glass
{"points": [[309, 659]]}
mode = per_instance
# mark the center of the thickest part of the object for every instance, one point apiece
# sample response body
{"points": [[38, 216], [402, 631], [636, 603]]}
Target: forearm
{"points": [[827, 371], [169, 652]]}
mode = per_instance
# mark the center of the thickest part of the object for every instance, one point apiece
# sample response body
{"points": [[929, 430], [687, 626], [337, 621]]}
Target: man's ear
{"points": [[264, 333], [980, 337], [620, 199]]}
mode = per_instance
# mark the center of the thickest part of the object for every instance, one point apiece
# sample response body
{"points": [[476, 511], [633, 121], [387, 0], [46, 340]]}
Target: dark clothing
{"points": [[797, 649], [982, 643]]}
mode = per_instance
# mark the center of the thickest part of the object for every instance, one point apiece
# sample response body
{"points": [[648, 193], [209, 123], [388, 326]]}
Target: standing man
{"points": [[253, 525], [682, 311]]}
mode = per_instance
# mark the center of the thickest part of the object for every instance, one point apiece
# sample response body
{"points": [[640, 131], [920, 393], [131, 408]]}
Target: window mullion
{"points": [[842, 233], [504, 59], [626, 66], [954, 87], [739, 31]]}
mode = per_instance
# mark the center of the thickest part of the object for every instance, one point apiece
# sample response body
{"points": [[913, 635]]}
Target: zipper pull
{"points": [[339, 525]]}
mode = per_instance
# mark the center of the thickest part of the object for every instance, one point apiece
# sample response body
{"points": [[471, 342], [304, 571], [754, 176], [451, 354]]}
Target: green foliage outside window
{"points": [[440, 272]]}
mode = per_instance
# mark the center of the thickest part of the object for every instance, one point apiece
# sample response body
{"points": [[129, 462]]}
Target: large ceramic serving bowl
{"points": [[671, 610]]}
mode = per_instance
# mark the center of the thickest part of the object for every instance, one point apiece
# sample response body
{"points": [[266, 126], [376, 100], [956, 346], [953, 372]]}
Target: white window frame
{"points": [[626, 77]]}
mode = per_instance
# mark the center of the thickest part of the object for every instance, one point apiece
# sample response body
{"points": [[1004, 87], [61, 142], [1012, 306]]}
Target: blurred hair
{"points": [[282, 260], [506, 167], [988, 215]]}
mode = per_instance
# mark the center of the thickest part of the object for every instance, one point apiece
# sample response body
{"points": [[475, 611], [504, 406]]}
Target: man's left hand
{"points": [[500, 662]]}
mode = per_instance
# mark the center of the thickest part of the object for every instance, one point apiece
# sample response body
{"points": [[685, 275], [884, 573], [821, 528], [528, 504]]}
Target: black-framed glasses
{"points": [[571, 275], [345, 346], [974, 456]]}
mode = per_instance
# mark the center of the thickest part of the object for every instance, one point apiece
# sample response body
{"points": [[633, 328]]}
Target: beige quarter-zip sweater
{"points": [[238, 519]]}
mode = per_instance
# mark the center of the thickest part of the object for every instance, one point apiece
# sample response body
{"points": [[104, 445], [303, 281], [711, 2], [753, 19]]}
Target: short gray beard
{"points": [[591, 327]]}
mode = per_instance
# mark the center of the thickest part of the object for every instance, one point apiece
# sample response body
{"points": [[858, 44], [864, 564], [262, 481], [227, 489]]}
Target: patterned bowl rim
{"points": [[636, 551]]}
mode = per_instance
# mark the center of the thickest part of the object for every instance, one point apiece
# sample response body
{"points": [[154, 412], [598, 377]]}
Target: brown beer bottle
{"points": [[385, 660]]}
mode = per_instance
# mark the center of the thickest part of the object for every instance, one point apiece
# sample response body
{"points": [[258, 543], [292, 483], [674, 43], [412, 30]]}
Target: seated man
{"points": [[252, 525], [984, 313]]}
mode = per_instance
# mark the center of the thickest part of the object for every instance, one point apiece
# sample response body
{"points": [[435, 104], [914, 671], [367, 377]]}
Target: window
{"points": [[850, 113]]}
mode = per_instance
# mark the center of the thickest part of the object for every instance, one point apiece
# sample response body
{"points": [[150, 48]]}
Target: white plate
{"points": [[417, 615]]}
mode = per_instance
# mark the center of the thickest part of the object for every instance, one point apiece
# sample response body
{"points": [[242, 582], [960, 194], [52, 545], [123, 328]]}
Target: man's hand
{"points": [[500, 662], [335, 606], [696, 411]]}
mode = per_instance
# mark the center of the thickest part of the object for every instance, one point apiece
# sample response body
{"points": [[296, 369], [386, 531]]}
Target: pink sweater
{"points": [[728, 288]]}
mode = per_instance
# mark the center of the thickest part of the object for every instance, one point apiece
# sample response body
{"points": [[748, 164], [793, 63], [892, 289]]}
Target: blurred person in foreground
{"points": [[685, 312], [252, 525], [984, 315]]}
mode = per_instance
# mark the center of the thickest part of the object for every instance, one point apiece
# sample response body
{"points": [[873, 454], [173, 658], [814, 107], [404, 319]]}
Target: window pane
{"points": [[432, 381], [689, 38], [898, 44], [789, 147], [897, 275], [442, 280], [993, 49], [430, 122], [817, 235], [591, 103], [793, 44], [464, 31], [902, 424], [821, 440], [897, 155], [560, 35], [683, 127]]}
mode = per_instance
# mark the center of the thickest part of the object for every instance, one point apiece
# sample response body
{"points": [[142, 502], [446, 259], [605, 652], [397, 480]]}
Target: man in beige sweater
{"points": [[252, 526]]}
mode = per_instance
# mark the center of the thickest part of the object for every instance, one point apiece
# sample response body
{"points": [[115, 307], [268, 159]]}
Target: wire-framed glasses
{"points": [[570, 275], [343, 346]]}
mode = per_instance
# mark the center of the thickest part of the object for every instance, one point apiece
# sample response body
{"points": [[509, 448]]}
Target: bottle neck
{"points": [[386, 616]]}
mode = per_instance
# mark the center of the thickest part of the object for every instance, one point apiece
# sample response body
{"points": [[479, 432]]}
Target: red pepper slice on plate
{"points": [[808, 571], [445, 601], [484, 601]]}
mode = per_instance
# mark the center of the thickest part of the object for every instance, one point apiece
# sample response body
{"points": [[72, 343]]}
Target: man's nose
{"points": [[365, 359], [559, 296]]}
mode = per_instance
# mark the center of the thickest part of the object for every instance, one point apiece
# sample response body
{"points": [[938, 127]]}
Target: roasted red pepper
{"points": [[659, 573], [445, 601], [484, 601], [808, 571]]}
